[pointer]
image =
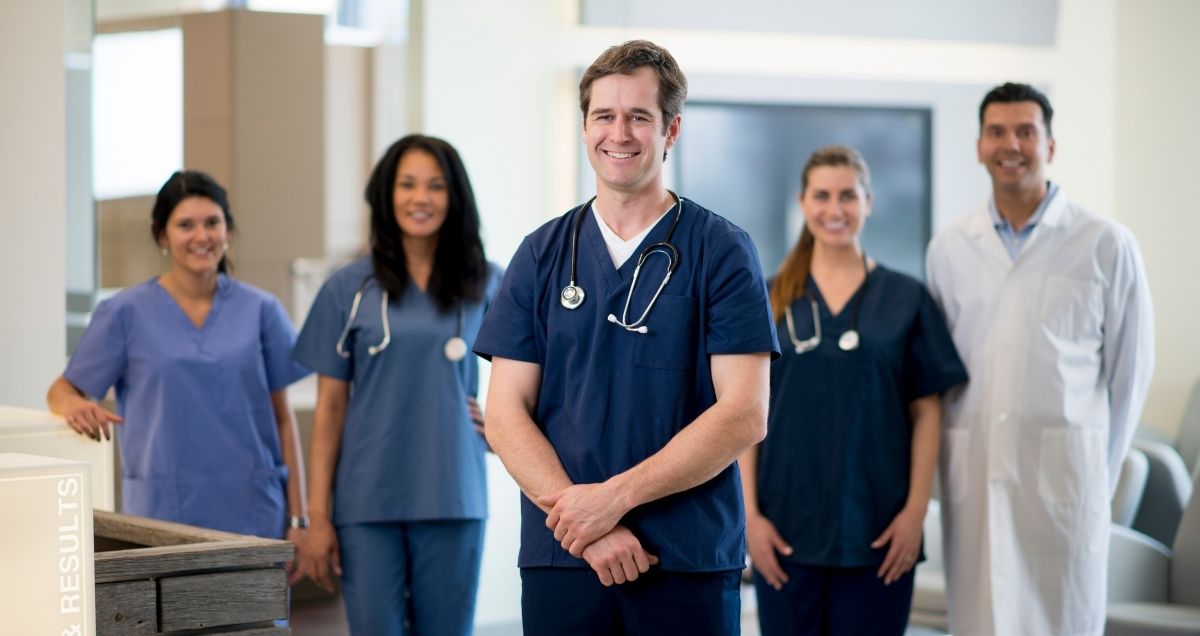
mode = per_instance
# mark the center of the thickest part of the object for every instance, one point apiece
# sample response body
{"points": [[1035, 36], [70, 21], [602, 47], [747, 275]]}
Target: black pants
{"points": [[558, 601], [823, 601]]}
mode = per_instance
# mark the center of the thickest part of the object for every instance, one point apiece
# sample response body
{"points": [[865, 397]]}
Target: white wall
{"points": [[500, 83], [1156, 164], [32, 212]]}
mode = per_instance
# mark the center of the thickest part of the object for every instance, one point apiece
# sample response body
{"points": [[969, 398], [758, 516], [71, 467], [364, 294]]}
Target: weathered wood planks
{"points": [[157, 577]]}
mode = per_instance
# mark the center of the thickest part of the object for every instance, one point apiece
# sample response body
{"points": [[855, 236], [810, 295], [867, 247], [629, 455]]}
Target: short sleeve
{"points": [[316, 346], [495, 279], [99, 361], [738, 311], [508, 325], [931, 362], [278, 338]]}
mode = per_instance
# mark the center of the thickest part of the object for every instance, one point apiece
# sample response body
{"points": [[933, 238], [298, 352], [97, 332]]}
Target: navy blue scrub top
{"points": [[409, 451], [833, 471], [610, 398]]}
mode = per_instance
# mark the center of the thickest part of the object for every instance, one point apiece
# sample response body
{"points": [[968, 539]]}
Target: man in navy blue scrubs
{"points": [[620, 407]]}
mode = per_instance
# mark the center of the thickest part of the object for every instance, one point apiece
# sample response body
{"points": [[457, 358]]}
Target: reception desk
{"points": [[43, 433]]}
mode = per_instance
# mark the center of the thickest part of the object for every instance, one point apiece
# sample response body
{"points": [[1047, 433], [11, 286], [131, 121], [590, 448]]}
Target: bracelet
{"points": [[299, 523]]}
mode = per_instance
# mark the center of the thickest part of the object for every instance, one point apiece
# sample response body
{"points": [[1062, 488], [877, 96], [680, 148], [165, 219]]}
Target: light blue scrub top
{"points": [[409, 450], [200, 442]]}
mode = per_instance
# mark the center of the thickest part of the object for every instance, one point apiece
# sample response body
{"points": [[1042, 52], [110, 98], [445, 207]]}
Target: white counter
{"points": [[43, 433]]}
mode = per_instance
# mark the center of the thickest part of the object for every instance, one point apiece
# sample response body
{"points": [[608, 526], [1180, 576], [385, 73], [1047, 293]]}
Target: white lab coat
{"points": [[1059, 345]]}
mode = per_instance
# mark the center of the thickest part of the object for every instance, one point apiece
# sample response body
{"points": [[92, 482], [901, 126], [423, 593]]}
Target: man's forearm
{"points": [[526, 453], [698, 453]]}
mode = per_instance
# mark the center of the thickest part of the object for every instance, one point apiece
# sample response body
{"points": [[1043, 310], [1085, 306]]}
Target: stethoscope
{"points": [[455, 348], [848, 341], [572, 295]]}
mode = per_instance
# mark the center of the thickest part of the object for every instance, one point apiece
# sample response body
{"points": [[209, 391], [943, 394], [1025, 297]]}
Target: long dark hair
{"points": [[186, 184], [792, 279], [459, 264]]}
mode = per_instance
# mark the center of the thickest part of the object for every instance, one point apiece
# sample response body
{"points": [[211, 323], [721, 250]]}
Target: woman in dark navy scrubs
{"points": [[836, 494]]}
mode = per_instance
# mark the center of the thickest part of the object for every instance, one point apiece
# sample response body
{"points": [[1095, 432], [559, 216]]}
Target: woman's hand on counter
{"points": [[91, 419]]}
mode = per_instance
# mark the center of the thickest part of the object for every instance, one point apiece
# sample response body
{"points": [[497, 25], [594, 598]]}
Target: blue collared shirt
{"points": [[1013, 239]]}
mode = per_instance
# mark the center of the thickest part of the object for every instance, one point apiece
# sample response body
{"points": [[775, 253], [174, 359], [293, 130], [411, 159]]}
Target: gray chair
{"points": [[1168, 489], [1154, 590], [1131, 486], [1188, 440]]}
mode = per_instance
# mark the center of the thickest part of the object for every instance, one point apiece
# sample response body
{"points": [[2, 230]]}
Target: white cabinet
{"points": [[43, 433]]}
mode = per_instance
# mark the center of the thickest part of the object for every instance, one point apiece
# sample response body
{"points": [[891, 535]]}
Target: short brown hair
{"points": [[629, 57]]}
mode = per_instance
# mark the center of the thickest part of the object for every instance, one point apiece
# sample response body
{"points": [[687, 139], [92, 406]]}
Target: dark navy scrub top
{"points": [[610, 398], [833, 471]]}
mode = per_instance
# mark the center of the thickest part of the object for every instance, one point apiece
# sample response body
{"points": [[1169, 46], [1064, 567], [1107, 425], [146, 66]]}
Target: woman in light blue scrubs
{"points": [[398, 493], [836, 493], [200, 363]]}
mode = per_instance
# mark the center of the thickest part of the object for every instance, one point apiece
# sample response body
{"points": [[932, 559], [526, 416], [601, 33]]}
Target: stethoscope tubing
{"points": [[849, 340], [373, 350], [572, 295]]}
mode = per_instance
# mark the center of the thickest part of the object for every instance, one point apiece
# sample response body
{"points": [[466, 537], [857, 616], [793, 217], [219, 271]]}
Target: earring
{"points": [[225, 246], [165, 251]]}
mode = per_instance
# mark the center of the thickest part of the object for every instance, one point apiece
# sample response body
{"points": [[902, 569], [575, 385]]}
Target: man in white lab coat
{"points": [[1049, 308]]}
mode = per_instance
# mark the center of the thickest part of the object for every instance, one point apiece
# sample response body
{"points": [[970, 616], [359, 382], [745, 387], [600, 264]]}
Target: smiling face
{"points": [[835, 205], [195, 235], [625, 133], [420, 197], [1014, 146]]}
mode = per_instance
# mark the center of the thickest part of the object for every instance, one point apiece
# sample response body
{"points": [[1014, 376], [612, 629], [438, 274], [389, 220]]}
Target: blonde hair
{"points": [[792, 278]]}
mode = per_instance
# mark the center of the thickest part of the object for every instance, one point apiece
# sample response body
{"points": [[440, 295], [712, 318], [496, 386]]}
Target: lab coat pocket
{"points": [[1072, 310], [672, 341], [1072, 466], [955, 455]]}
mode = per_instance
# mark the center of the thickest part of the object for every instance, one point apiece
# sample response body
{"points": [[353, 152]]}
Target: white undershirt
{"points": [[619, 250]]}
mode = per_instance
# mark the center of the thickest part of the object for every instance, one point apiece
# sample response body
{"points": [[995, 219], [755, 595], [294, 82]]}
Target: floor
{"points": [[326, 617]]}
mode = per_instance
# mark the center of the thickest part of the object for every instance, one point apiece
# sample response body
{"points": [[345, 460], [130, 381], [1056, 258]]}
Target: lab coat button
{"points": [[1002, 417]]}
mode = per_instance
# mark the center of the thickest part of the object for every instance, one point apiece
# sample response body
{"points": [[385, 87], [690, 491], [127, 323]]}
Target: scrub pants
{"points": [[833, 601], [557, 601], [411, 578]]}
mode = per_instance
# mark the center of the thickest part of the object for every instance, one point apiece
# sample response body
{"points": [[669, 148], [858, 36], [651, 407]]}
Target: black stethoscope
{"points": [[572, 295], [849, 340], [455, 348]]}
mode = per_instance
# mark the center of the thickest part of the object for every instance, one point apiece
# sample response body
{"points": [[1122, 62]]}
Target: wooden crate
{"points": [[156, 577]]}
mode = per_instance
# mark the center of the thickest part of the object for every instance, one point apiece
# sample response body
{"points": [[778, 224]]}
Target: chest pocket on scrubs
{"points": [[672, 340], [1073, 310]]}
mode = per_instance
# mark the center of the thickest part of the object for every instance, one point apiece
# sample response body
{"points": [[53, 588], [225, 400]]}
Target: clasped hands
{"points": [[584, 519]]}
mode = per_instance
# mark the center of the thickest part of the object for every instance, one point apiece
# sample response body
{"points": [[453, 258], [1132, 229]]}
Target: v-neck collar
{"points": [[824, 306], [223, 283], [613, 276]]}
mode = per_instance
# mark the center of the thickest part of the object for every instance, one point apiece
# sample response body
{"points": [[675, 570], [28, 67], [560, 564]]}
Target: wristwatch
{"points": [[299, 523]]}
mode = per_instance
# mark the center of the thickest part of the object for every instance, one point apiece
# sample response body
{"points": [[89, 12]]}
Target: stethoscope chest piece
{"points": [[849, 340], [572, 296], [455, 349]]}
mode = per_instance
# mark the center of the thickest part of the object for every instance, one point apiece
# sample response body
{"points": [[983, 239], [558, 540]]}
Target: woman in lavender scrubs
{"points": [[199, 362]]}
